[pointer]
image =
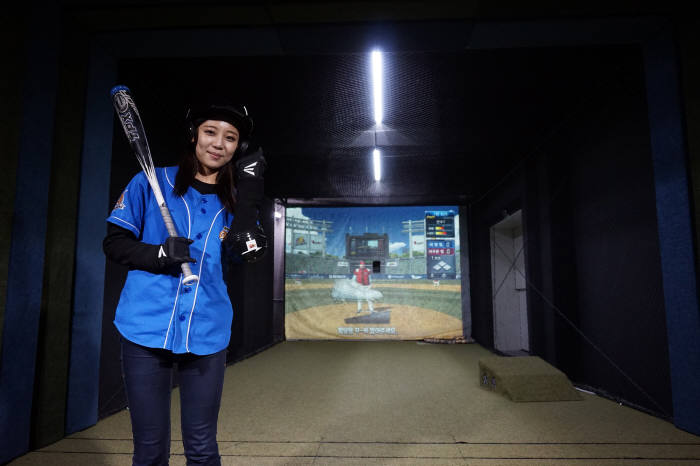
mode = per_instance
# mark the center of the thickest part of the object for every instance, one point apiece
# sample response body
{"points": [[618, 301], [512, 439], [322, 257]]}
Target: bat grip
{"points": [[170, 226]]}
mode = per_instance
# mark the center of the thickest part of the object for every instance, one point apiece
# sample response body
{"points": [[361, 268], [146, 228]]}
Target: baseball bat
{"points": [[136, 134]]}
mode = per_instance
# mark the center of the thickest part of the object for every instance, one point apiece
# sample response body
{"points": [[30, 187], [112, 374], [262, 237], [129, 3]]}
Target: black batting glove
{"points": [[251, 165], [174, 251]]}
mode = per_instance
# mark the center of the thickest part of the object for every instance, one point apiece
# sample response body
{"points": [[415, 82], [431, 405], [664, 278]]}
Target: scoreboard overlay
{"points": [[440, 244]]}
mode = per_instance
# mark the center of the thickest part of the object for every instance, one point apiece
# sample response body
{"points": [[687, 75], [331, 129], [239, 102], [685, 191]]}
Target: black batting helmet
{"points": [[237, 115]]}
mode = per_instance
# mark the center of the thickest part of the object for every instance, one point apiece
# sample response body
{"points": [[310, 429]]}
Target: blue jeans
{"points": [[148, 379]]}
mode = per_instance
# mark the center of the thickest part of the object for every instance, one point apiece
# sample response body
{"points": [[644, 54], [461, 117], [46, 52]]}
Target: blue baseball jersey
{"points": [[158, 310]]}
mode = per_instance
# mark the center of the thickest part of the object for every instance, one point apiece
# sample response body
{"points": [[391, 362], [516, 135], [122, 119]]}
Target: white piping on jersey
{"points": [[124, 221], [167, 178], [189, 221], [172, 314], [201, 264], [189, 230]]}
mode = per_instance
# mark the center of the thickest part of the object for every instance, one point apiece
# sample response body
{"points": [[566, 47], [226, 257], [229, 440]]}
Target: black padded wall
{"points": [[595, 298], [618, 286]]}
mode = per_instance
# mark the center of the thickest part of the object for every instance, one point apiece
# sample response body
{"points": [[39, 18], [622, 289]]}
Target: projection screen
{"points": [[372, 273]]}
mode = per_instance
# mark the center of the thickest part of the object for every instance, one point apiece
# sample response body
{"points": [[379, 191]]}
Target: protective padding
{"points": [[525, 378]]}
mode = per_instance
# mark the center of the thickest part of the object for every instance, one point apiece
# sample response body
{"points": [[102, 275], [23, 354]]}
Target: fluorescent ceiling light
{"points": [[377, 165], [377, 78]]}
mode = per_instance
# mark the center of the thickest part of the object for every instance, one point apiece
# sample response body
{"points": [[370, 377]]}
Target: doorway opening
{"points": [[509, 286]]}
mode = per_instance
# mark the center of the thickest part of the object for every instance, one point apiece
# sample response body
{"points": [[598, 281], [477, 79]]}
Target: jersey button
{"points": [[204, 200], [182, 317], [204, 211], [187, 290], [199, 236]]}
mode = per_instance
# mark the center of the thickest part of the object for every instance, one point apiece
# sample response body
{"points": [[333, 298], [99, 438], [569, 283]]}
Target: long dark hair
{"points": [[188, 168]]}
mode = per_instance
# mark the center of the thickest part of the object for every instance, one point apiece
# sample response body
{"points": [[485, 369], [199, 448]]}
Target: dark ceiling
{"points": [[456, 120]]}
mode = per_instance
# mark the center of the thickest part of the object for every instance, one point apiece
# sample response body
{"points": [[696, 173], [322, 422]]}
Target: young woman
{"points": [[163, 322]]}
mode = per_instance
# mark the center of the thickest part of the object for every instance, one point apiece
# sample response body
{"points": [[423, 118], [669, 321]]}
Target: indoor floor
{"points": [[391, 403]]}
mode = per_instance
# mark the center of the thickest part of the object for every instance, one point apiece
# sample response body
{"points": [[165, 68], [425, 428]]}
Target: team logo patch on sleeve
{"points": [[120, 202], [223, 233]]}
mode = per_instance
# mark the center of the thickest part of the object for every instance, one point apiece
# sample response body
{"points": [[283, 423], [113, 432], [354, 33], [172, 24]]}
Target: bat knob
{"points": [[190, 279], [118, 88]]}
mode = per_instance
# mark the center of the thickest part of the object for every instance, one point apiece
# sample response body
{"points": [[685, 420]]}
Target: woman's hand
{"points": [[251, 166]]}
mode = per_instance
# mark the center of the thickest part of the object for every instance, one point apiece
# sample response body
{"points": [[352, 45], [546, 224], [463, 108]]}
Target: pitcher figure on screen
{"points": [[362, 277]]}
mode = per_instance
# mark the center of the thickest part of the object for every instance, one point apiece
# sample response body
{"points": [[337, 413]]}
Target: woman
{"points": [[161, 320]]}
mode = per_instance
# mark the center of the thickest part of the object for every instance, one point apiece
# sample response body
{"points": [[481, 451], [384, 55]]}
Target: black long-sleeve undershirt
{"points": [[121, 246], [245, 212]]}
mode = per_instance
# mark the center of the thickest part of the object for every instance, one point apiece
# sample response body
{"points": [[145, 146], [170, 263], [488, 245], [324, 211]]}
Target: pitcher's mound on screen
{"points": [[380, 315], [407, 323]]}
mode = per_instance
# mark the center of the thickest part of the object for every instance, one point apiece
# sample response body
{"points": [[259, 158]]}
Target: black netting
{"points": [[560, 133]]}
